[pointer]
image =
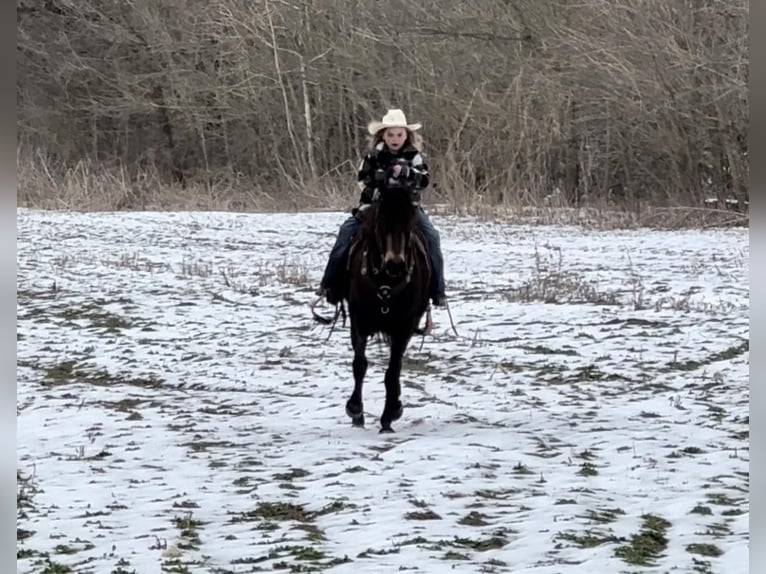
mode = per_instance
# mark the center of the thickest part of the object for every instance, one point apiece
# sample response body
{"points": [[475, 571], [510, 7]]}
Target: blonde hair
{"points": [[413, 137]]}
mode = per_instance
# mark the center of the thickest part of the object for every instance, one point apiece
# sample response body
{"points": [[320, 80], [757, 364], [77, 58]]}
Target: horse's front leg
{"points": [[393, 408], [354, 405]]}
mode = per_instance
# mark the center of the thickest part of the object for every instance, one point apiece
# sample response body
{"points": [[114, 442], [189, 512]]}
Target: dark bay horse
{"points": [[388, 279]]}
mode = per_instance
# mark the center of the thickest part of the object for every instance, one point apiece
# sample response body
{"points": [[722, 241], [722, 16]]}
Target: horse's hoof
{"points": [[358, 421], [354, 411], [386, 430]]}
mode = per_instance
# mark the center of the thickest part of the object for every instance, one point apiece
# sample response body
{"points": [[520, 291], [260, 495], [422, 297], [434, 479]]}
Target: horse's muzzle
{"points": [[395, 267]]}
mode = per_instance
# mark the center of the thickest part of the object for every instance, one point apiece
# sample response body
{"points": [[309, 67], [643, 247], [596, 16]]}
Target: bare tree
{"points": [[524, 102]]}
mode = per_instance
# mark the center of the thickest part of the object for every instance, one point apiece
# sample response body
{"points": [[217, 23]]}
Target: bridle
{"points": [[388, 289]]}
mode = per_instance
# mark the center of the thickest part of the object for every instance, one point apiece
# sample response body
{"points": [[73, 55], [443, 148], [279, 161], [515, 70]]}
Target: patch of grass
{"points": [[309, 559], [638, 322], [586, 455], [419, 365], [94, 314], [704, 549], [122, 567], [241, 481], [174, 566], [701, 509], [480, 544], [587, 469], [521, 469], [543, 350], [22, 534], [68, 372], [291, 474], [551, 283], [496, 494], [717, 530], [604, 515], [422, 515], [591, 373], [24, 553], [275, 511], [722, 499], [185, 504], [293, 273], [313, 532], [189, 531], [732, 512], [473, 518], [306, 553], [196, 268], [453, 555], [646, 546], [417, 541], [702, 566], [588, 539], [199, 445], [333, 507], [725, 355], [495, 541], [372, 552], [55, 568], [271, 512]]}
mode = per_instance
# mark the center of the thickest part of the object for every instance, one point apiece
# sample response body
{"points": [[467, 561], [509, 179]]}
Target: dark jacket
{"points": [[376, 165]]}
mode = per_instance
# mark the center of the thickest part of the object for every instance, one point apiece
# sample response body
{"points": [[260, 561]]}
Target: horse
{"points": [[388, 275]]}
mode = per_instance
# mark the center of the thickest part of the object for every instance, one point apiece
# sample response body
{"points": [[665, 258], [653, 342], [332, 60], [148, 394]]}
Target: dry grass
{"points": [[88, 187], [604, 216], [552, 283]]}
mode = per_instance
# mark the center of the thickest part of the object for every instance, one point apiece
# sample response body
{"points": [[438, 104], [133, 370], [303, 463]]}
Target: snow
{"points": [[198, 383]]}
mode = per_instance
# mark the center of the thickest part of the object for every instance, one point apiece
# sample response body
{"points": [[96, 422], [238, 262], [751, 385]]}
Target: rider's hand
{"points": [[400, 171]]}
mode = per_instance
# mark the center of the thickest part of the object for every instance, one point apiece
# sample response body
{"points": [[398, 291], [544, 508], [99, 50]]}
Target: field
{"points": [[179, 411]]}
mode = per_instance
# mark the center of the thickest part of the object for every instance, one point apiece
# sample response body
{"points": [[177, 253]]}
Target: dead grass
{"points": [[87, 186], [552, 283], [597, 216]]}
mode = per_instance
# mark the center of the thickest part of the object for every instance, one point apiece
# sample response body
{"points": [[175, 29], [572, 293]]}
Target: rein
{"points": [[340, 310], [372, 266]]}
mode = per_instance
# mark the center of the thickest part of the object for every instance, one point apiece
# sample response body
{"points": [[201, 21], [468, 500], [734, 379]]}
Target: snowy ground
{"points": [[178, 411]]}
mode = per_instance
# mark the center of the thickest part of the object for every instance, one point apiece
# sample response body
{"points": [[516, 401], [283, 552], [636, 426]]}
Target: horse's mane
{"points": [[394, 207]]}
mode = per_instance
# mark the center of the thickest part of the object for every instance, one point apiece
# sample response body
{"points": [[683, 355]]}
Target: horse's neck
{"points": [[392, 222], [395, 214]]}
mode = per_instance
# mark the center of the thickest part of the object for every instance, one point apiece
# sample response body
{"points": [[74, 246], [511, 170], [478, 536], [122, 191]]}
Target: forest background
{"points": [[248, 105]]}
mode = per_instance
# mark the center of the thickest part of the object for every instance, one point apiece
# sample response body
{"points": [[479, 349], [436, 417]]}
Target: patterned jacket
{"points": [[376, 164]]}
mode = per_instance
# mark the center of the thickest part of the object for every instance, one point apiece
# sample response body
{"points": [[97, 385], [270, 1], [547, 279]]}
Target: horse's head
{"points": [[394, 225]]}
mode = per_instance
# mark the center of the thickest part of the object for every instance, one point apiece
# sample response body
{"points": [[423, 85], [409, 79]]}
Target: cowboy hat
{"points": [[392, 119]]}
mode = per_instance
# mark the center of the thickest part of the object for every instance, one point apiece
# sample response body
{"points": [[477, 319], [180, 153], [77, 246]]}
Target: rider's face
{"points": [[395, 138]]}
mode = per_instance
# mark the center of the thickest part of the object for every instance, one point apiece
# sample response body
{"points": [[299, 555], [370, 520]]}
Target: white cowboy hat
{"points": [[392, 119]]}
